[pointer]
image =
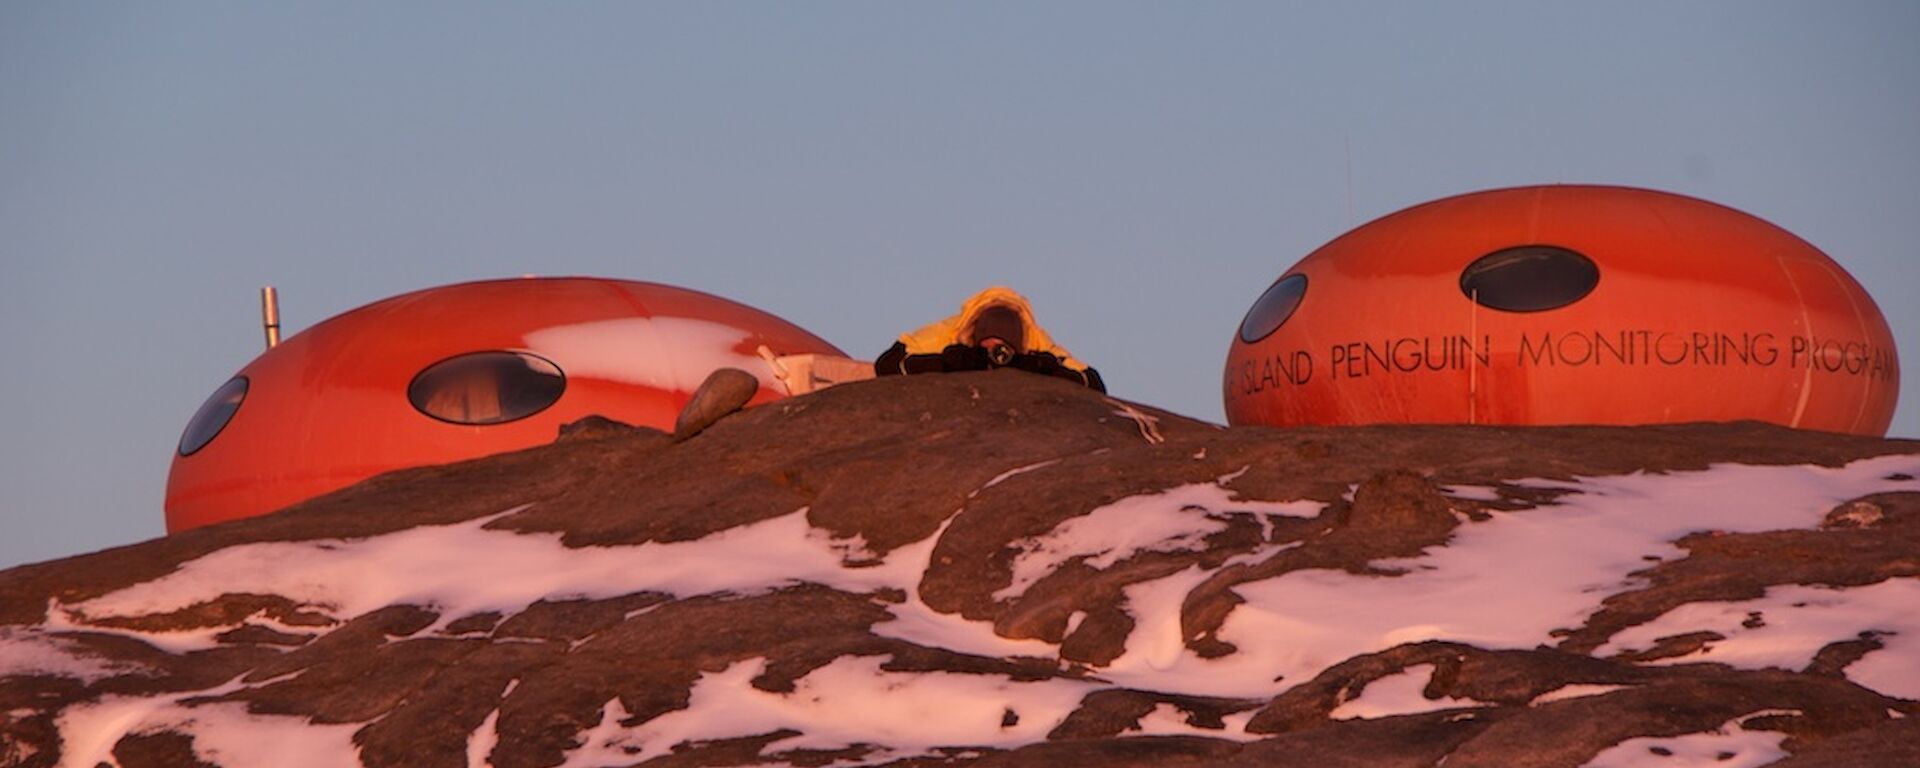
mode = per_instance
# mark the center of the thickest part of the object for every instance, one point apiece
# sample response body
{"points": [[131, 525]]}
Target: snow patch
{"points": [[847, 702], [481, 742], [1017, 471], [1796, 621], [223, 733], [607, 743], [1576, 691], [29, 652], [1729, 746], [464, 569], [1169, 720], [853, 549], [1401, 693], [1509, 581], [1156, 650], [64, 619], [1073, 622], [916, 622], [1175, 520]]}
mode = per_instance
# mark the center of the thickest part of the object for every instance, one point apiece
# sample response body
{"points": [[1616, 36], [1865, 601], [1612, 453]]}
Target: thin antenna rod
{"points": [[270, 315]]}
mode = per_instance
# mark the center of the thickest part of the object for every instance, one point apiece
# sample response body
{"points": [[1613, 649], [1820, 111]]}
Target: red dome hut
{"points": [[458, 372], [1565, 305]]}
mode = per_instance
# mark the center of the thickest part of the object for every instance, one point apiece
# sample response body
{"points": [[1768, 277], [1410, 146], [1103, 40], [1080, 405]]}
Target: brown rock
{"points": [[158, 750], [725, 391], [595, 427], [892, 461]]}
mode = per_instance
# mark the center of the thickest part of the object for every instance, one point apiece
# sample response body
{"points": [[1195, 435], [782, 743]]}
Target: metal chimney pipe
{"points": [[270, 315]]}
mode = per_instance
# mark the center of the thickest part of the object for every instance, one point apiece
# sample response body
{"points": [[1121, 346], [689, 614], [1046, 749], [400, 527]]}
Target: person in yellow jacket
{"points": [[995, 329]]}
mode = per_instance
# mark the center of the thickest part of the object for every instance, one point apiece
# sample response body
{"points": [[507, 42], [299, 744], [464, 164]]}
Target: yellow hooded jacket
{"points": [[931, 339]]}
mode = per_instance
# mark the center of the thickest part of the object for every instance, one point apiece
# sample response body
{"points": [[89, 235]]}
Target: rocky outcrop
{"points": [[1003, 569]]}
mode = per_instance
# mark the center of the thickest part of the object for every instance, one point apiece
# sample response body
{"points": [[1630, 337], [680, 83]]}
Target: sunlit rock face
{"points": [[1003, 569], [1566, 304]]}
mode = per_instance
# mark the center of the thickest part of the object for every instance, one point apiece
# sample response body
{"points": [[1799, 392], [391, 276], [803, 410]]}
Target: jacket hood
{"points": [[938, 336]]}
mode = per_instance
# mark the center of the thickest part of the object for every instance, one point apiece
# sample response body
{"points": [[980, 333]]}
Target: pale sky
{"points": [[1140, 170]]}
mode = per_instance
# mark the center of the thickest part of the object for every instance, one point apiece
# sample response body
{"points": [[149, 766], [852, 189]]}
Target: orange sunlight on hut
{"points": [[458, 372], [1565, 305]]}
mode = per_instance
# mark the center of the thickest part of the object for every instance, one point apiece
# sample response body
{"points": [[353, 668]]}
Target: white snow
{"points": [[26, 652], [1156, 649], [1504, 582], [463, 569], [1574, 691], [227, 734], [1401, 693], [1165, 720], [1729, 746], [853, 549], [1073, 622], [916, 622], [1509, 581], [1149, 424], [224, 733], [1798, 621], [1169, 720], [671, 353], [1016, 471], [605, 743], [1175, 520], [481, 742], [849, 701], [65, 619]]}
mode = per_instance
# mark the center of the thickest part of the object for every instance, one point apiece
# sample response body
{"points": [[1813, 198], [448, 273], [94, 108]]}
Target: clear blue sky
{"points": [[1141, 171]]}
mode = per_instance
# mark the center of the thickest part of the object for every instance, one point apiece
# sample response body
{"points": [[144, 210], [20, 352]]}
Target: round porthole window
{"points": [[487, 387], [1529, 278], [1273, 308], [213, 415]]}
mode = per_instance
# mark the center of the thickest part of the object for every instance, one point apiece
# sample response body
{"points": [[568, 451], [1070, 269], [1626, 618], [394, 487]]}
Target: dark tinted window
{"points": [[1529, 278], [1273, 308], [487, 387], [213, 415]]}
